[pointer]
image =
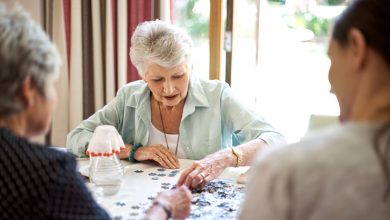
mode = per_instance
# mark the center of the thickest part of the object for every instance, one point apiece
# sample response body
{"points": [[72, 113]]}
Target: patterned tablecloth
{"points": [[219, 199]]}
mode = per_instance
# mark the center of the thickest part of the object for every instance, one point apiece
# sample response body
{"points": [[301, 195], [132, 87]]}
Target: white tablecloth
{"points": [[139, 188]]}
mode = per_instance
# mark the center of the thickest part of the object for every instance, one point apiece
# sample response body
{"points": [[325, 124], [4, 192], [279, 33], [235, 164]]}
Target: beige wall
{"points": [[32, 6]]}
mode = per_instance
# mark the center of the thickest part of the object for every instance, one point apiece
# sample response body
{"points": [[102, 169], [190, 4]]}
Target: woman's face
{"points": [[168, 85], [342, 80], [41, 110]]}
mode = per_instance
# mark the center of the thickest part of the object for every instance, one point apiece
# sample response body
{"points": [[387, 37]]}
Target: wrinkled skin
{"points": [[202, 171], [178, 201]]}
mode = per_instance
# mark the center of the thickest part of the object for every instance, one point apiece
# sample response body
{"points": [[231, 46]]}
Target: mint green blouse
{"points": [[213, 119]]}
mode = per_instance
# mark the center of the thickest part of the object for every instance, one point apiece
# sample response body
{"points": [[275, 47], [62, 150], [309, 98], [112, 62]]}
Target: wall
{"points": [[32, 6]]}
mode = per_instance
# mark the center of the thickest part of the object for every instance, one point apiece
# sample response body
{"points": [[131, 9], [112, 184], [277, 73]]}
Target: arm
{"points": [[111, 114], [244, 123], [156, 212], [209, 168], [252, 131]]}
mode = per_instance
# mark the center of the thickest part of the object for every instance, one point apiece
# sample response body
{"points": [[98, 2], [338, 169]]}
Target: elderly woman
{"points": [[36, 181], [343, 172], [172, 114]]}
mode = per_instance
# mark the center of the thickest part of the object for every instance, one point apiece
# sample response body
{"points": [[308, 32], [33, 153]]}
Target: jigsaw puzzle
{"points": [[219, 199]]}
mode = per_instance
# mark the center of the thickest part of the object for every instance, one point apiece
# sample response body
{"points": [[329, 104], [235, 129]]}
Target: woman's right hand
{"points": [[158, 153]]}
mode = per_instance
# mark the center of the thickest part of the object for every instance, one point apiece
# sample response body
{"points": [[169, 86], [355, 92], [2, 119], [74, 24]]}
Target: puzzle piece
{"points": [[219, 199], [120, 203]]}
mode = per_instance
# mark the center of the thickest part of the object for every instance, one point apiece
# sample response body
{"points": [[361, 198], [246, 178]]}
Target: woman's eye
{"points": [[156, 80], [178, 77]]}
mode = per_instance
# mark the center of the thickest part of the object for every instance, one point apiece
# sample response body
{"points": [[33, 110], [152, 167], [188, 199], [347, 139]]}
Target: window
{"points": [[290, 82], [280, 64], [193, 16]]}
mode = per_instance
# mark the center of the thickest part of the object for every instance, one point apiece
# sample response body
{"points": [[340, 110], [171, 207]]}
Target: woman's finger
{"points": [[198, 180], [207, 179], [184, 175], [166, 150], [172, 159], [193, 179], [160, 160], [166, 159]]}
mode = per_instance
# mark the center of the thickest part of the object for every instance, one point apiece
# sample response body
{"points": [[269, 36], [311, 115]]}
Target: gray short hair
{"points": [[161, 43], [25, 51]]}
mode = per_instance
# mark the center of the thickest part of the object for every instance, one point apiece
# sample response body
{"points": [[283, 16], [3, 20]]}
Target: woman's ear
{"points": [[27, 92], [359, 49]]}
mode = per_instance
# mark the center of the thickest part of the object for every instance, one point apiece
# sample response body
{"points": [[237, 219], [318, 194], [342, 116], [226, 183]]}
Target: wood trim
{"points": [[156, 5], [215, 38], [229, 50]]}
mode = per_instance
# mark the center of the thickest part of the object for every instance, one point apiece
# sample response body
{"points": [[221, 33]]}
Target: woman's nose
{"points": [[169, 87]]}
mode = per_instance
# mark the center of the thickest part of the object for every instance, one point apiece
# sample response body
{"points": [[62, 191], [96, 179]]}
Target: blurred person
{"points": [[37, 182], [175, 204], [172, 114], [342, 172]]}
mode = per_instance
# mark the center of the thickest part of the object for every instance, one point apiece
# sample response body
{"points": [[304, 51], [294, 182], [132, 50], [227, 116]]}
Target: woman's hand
{"points": [[125, 152], [158, 153], [178, 201], [202, 171]]}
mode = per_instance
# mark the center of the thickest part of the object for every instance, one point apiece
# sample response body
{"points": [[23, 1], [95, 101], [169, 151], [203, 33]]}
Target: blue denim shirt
{"points": [[213, 119]]}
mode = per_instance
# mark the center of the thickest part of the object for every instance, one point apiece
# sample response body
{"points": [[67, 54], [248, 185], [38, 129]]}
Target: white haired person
{"points": [[343, 172], [172, 114], [37, 182]]}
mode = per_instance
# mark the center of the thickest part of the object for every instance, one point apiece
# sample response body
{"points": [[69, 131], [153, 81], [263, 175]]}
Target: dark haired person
{"points": [[343, 172]]}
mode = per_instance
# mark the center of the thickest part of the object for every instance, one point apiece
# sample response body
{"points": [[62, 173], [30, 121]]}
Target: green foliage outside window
{"points": [[194, 21], [319, 26], [304, 18]]}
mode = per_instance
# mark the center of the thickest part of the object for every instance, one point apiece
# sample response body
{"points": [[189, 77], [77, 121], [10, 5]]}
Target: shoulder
{"points": [[35, 156], [206, 85], [213, 86], [134, 93], [32, 156], [212, 89], [33, 163], [50, 163], [132, 87], [322, 150]]}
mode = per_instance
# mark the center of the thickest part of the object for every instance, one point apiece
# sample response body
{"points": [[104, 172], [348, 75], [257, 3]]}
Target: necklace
{"points": [[165, 135]]}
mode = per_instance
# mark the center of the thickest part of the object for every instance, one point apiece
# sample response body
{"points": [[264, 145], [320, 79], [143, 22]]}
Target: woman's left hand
{"points": [[202, 171], [176, 203]]}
